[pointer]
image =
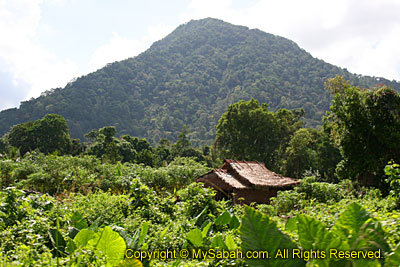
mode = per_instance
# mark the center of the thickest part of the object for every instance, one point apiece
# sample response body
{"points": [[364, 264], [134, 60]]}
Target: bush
{"points": [[320, 191], [24, 219], [194, 199], [102, 207], [392, 170], [285, 201], [6, 168]]}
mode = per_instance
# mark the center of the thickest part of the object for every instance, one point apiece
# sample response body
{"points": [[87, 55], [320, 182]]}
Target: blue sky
{"points": [[46, 43]]}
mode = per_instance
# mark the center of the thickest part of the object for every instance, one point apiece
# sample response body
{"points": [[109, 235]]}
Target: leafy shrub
{"points": [[198, 203], [320, 191], [285, 201], [308, 190], [180, 172], [184, 171], [6, 168], [24, 219], [102, 207], [392, 170], [23, 169], [25, 254]]}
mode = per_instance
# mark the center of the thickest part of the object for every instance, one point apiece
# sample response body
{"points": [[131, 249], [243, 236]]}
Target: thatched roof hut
{"points": [[246, 182]]}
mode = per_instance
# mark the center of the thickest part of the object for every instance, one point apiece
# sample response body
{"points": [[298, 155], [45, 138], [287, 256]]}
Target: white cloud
{"points": [[209, 8], [362, 36], [120, 48], [22, 54]]}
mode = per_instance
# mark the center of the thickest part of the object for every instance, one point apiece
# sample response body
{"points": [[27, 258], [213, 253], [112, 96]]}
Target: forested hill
{"points": [[189, 78]]}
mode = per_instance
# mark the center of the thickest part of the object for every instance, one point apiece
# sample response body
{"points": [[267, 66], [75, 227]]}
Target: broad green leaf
{"points": [[128, 239], [71, 247], [205, 230], [360, 230], [259, 233], [349, 224], [234, 223], [224, 218], [364, 263], [218, 242], [291, 224], [83, 237], [111, 244], [79, 221], [72, 232], [313, 236], [143, 233], [230, 243], [176, 263], [204, 224], [393, 259], [195, 237], [57, 240]]}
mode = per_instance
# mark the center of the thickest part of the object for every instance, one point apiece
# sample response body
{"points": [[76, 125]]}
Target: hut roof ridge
{"points": [[254, 173]]}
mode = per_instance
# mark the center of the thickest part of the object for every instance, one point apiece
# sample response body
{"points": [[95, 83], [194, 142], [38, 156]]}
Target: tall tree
{"points": [[299, 153], [48, 134], [249, 131], [51, 133], [365, 124], [183, 147], [311, 148]]}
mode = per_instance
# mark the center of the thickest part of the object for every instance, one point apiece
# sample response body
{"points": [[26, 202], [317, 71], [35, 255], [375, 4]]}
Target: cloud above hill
{"points": [[39, 50]]}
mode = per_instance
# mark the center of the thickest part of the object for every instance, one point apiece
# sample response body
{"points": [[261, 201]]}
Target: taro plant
{"points": [[93, 245], [354, 230]]}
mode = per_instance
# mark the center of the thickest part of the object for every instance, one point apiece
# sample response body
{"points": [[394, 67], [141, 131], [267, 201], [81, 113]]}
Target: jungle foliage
{"points": [[365, 125], [81, 227]]}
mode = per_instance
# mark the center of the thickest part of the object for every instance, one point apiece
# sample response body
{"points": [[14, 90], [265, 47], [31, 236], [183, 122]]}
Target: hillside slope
{"points": [[190, 77]]}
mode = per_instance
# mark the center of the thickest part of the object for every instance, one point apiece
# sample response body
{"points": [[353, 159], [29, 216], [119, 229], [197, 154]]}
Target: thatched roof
{"points": [[246, 174], [255, 174], [228, 179]]}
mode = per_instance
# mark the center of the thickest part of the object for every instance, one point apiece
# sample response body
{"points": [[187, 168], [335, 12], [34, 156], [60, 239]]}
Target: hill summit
{"points": [[189, 78]]}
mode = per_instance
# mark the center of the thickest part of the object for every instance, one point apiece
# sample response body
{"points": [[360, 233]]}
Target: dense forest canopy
{"points": [[189, 78]]}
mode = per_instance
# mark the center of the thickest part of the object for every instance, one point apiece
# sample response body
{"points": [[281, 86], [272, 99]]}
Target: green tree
{"points": [[51, 133], [3, 145], [104, 144], [327, 154], [183, 142], [249, 131], [162, 153], [183, 147], [48, 134], [76, 147], [127, 151], [144, 151], [309, 149], [139, 144], [299, 153], [365, 124], [20, 136]]}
